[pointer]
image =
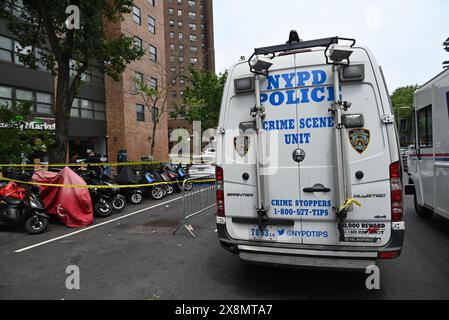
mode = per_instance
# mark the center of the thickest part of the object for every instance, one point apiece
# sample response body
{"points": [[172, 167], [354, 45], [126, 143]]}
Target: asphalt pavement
{"points": [[133, 255]]}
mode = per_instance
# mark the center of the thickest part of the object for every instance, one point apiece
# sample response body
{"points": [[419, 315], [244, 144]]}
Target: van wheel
{"points": [[421, 211]]}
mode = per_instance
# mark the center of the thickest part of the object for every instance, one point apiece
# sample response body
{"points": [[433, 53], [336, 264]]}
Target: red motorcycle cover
{"points": [[12, 190], [73, 206]]}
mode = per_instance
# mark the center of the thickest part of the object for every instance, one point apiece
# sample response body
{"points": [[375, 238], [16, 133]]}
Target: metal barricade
{"points": [[198, 196]]}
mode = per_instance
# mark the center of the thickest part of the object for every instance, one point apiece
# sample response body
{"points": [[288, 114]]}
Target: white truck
{"points": [[308, 162], [429, 160]]}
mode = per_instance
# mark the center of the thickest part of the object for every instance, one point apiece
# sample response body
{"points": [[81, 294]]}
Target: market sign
{"points": [[41, 124]]}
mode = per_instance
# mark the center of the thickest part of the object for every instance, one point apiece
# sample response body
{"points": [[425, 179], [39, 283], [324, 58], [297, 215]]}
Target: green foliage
{"points": [[202, 99], [14, 140], [402, 98]]}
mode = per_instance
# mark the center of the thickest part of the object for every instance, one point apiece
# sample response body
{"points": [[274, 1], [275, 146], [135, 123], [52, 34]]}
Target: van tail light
{"points": [[385, 255], [220, 191], [396, 192]]}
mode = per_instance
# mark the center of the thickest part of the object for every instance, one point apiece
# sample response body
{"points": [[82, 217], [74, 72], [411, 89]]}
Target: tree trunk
{"points": [[153, 139], [63, 103]]}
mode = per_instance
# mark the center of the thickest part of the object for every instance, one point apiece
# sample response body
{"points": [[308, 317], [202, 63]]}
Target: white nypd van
{"points": [[308, 162]]}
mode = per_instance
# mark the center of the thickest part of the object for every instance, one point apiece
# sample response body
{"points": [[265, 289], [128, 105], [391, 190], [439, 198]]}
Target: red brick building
{"points": [[129, 119]]}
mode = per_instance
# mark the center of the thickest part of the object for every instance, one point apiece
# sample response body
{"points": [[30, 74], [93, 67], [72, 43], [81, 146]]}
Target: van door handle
{"points": [[317, 188]]}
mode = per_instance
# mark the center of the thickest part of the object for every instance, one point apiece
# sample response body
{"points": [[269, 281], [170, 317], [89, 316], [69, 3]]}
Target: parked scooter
{"points": [[127, 176], [101, 200], [148, 176], [29, 212], [166, 178], [173, 175], [183, 175], [118, 199]]}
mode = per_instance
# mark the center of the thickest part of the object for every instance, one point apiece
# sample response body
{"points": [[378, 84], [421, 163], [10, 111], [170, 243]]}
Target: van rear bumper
{"points": [[308, 256], [316, 263]]}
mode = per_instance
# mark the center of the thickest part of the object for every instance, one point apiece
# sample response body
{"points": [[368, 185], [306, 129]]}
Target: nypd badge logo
{"points": [[241, 145], [360, 139]]}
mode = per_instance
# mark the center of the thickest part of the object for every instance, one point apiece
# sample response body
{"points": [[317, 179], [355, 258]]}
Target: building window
{"points": [[153, 53], [179, 13], [193, 60], [152, 3], [136, 15], [192, 38], [192, 4], [193, 49], [6, 49], [140, 112], [180, 24], [179, 1], [153, 83], [44, 103], [87, 109], [192, 15], [425, 135], [171, 23], [174, 94], [137, 42], [181, 47], [151, 25], [171, 35], [137, 79], [41, 103], [192, 26], [6, 97], [180, 36], [172, 46], [171, 11]]}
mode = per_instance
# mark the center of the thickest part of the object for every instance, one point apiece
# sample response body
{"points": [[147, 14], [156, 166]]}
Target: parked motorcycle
{"points": [[148, 176], [183, 175], [127, 176], [29, 212], [102, 201], [173, 175]]}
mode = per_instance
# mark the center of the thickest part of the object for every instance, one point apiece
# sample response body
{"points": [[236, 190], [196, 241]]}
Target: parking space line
{"points": [[95, 226]]}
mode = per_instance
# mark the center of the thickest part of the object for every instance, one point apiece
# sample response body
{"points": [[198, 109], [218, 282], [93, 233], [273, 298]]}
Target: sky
{"points": [[405, 36]]}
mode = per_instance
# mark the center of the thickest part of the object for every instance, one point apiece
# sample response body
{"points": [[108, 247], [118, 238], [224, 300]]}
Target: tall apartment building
{"points": [[129, 121], [189, 38], [106, 115]]}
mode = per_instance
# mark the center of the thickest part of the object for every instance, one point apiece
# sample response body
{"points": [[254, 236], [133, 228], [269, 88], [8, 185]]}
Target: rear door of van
{"points": [[282, 173], [369, 162]]}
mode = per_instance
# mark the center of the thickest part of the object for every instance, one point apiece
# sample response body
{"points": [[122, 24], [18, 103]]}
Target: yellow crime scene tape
{"points": [[105, 164], [115, 186], [348, 203]]}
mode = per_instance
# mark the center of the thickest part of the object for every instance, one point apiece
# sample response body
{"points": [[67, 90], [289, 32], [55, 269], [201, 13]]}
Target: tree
{"points": [[155, 98], [202, 99], [15, 140], [446, 47], [402, 100], [40, 26]]}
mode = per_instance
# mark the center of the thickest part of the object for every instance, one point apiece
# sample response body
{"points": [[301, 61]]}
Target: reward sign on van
{"points": [[289, 90]]}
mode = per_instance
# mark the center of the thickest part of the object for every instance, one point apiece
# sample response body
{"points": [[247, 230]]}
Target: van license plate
{"points": [[269, 234]]}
